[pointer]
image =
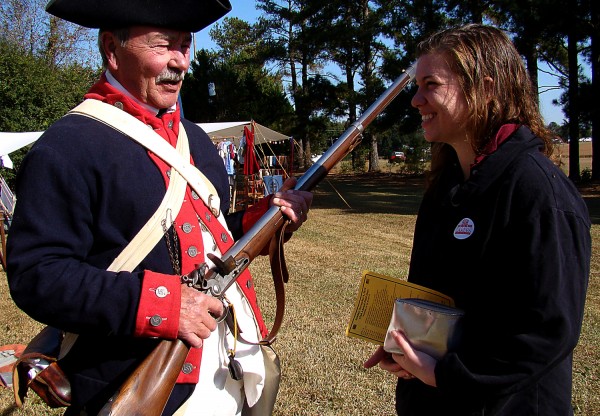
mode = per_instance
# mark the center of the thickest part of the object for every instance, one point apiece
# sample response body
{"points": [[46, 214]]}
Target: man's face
{"points": [[151, 64]]}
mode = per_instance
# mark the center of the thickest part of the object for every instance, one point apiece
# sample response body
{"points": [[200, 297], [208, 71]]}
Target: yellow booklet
{"points": [[375, 303]]}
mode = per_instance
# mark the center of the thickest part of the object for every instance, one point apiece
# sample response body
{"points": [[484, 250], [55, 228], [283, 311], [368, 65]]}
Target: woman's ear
{"points": [[488, 85]]}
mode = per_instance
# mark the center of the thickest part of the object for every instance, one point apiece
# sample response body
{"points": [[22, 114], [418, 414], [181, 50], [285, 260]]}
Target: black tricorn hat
{"points": [[184, 15]]}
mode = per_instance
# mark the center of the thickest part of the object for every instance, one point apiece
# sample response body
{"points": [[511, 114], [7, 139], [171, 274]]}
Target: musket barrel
{"points": [[353, 134], [139, 394], [271, 220]]}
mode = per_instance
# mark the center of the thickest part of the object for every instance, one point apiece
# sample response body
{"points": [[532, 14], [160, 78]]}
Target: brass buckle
{"points": [[216, 212]]}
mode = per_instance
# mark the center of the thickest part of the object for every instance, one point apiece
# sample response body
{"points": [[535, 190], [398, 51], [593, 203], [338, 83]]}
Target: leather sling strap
{"points": [[133, 253], [280, 277], [151, 233], [138, 131]]}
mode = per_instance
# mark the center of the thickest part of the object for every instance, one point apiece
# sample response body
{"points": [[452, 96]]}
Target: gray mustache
{"points": [[170, 75]]}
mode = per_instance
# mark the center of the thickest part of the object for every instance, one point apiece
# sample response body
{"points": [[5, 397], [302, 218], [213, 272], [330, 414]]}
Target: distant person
{"points": [[519, 265], [85, 190]]}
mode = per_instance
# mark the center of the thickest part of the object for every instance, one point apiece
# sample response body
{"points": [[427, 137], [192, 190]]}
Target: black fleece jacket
{"points": [[512, 246]]}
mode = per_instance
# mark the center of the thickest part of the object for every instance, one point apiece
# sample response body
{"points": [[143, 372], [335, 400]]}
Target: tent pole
{"points": [[3, 241], [291, 164], [234, 193]]}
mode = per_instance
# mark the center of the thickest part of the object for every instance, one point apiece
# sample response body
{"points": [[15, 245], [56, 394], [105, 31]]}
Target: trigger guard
{"points": [[226, 305]]}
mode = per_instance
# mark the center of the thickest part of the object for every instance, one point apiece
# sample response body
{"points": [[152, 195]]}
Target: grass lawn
{"points": [[371, 228]]}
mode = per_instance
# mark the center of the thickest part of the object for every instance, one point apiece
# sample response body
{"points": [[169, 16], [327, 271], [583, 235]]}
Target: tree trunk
{"points": [[595, 41], [532, 68], [374, 155], [53, 41], [352, 113], [574, 172], [368, 69], [306, 153]]}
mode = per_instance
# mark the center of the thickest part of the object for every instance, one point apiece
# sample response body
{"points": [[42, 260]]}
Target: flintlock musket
{"points": [[148, 388]]}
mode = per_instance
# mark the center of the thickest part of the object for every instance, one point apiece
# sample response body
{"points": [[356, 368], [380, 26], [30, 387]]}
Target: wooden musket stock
{"points": [[147, 390]]}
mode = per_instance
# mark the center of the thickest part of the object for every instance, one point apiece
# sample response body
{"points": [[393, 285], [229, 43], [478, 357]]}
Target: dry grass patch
{"points": [[18, 328], [322, 368], [586, 368]]}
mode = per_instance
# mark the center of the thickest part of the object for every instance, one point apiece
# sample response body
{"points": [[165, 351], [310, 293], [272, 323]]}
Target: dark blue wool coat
{"points": [[84, 191]]}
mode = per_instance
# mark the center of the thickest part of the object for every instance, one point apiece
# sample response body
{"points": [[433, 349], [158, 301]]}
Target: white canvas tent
{"points": [[235, 129], [10, 142], [269, 177]]}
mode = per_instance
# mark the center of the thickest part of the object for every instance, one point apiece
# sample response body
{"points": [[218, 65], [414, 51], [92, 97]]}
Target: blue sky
{"points": [[246, 10], [243, 9]]}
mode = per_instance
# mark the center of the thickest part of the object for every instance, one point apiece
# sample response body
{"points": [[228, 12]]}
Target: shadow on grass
{"points": [[370, 193], [8, 411], [399, 194], [591, 195], [593, 204]]}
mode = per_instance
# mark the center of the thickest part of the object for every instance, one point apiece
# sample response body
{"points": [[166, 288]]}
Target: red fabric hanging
{"points": [[250, 162]]}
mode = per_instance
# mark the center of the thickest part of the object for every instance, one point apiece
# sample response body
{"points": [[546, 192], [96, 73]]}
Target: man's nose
{"points": [[179, 60]]}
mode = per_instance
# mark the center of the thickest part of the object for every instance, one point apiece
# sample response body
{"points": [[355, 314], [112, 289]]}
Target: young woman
{"points": [[520, 270]]}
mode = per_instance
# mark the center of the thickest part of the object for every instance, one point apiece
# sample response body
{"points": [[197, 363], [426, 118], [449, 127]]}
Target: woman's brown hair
{"points": [[475, 52]]}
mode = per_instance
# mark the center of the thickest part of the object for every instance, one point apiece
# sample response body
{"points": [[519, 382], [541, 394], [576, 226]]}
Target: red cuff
{"points": [[160, 302], [253, 214], [190, 372]]}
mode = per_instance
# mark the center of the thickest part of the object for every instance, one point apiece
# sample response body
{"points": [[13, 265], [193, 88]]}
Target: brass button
{"points": [[171, 124], [119, 105], [195, 195], [161, 292], [192, 251], [224, 237], [156, 320], [187, 368], [187, 227]]}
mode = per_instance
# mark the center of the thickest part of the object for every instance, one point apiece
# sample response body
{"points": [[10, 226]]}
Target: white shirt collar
{"points": [[113, 81]]}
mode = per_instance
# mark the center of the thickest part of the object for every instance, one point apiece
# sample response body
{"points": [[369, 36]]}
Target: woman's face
{"points": [[440, 101]]}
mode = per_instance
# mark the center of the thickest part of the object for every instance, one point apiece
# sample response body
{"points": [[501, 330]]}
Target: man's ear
{"points": [[108, 43], [488, 85]]}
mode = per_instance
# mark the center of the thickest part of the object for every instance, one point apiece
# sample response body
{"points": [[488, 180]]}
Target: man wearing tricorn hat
{"points": [[85, 190]]}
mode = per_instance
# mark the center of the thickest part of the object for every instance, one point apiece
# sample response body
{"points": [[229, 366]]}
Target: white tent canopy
{"points": [[235, 129], [10, 142]]}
